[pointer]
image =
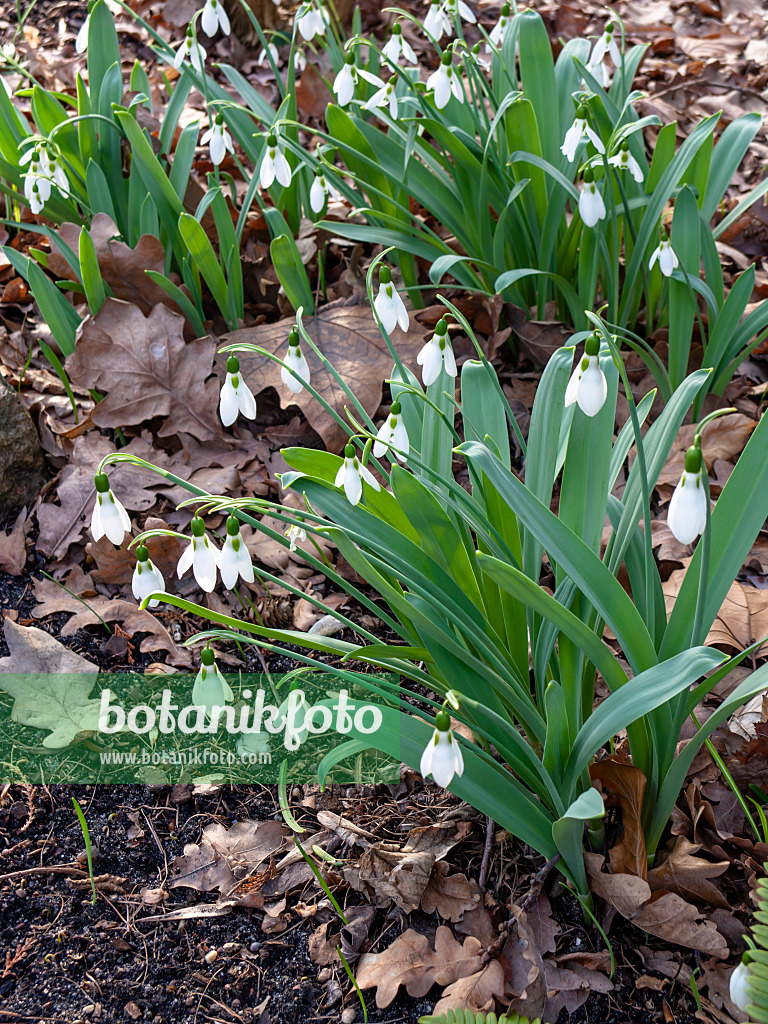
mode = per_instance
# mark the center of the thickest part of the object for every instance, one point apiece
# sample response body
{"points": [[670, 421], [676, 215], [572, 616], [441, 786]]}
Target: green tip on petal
{"points": [[442, 721], [207, 656], [396, 409], [349, 451], [233, 364], [385, 275], [102, 482], [693, 460], [233, 526], [142, 554], [198, 527], [592, 345]]}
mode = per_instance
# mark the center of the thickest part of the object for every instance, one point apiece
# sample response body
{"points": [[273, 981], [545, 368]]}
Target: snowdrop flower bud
{"points": [[109, 517], [437, 23], [294, 535], [274, 165], [445, 81], [666, 255], [351, 475], [81, 41], [201, 555], [442, 757], [235, 560], [496, 38], [591, 205], [738, 986], [389, 305], [261, 60], [437, 355], [219, 140], [626, 162], [397, 45], [147, 578], [214, 16], [211, 689], [687, 515], [312, 22], [192, 51], [579, 131], [344, 83], [236, 396], [455, 8], [36, 201], [296, 361], [392, 433], [587, 385]]}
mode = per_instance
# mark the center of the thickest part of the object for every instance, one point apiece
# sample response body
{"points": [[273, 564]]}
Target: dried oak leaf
{"points": [[116, 565], [411, 961], [476, 992], [349, 338], [13, 548], [449, 895], [742, 619], [625, 785], [689, 876], [722, 438], [147, 369]]}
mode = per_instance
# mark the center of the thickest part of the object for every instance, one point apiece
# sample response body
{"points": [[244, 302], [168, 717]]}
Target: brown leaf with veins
{"points": [[742, 619], [476, 993], [722, 438], [449, 895], [625, 785], [147, 369], [349, 338], [13, 548], [116, 565], [225, 859], [689, 876]]}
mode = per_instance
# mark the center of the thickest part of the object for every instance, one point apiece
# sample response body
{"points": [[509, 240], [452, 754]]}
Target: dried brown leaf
{"points": [[742, 619], [625, 785], [226, 858], [476, 992], [687, 875], [449, 895], [13, 548]]}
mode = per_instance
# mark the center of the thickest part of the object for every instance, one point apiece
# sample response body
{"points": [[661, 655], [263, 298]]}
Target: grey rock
{"points": [[22, 465]]}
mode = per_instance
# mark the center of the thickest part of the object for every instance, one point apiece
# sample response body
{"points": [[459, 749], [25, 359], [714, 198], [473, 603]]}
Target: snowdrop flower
{"points": [[236, 396], [294, 535], [587, 385], [351, 475], [383, 96], [56, 173], [235, 560], [457, 8], [474, 54], [606, 44], [626, 162], [499, 30], [81, 41], [312, 22], [211, 689], [192, 51], [296, 361], [445, 81], [577, 133], [36, 200], [687, 515], [437, 355], [299, 61], [397, 45], [437, 23], [320, 191], [36, 153], [261, 60], [219, 140], [442, 756], [392, 433], [666, 255], [344, 83], [109, 517], [214, 17], [591, 205], [389, 305], [274, 165], [201, 555], [147, 578], [738, 986]]}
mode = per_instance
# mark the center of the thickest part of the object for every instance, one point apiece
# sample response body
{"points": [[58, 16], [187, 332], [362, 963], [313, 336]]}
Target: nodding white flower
{"points": [[457, 8], [474, 55], [587, 385], [147, 578], [351, 475], [236, 396], [299, 61], [437, 355], [499, 30], [261, 60], [211, 689], [81, 41], [313, 22], [36, 153], [274, 165], [578, 132], [445, 81], [320, 191], [36, 200], [192, 51], [397, 45], [606, 44], [234, 560], [109, 517], [201, 555], [666, 255], [56, 173], [392, 433], [626, 162], [344, 83], [591, 205], [219, 140], [294, 535], [738, 986], [437, 23], [214, 17], [687, 514], [383, 96], [296, 361], [442, 757], [44, 172], [389, 305]]}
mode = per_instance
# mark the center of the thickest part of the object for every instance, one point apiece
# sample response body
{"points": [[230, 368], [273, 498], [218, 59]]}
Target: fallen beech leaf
{"points": [[226, 858], [312, 94], [147, 369], [349, 338], [687, 875], [569, 988], [538, 339], [13, 548], [625, 785]]}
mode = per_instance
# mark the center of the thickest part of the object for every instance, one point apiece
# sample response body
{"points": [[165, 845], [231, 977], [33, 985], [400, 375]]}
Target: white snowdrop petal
{"points": [[738, 987], [97, 530], [593, 389], [185, 562], [687, 513], [246, 401], [228, 403], [282, 170], [204, 564], [369, 478], [353, 486]]}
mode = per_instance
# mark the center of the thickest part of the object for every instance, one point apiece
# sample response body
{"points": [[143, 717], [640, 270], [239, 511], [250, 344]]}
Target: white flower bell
{"points": [[320, 191], [397, 45], [296, 361], [591, 205], [499, 30], [444, 82], [192, 51], [437, 355], [437, 23], [626, 162], [606, 44], [214, 17], [588, 385], [218, 139], [351, 475], [388, 304], [578, 132], [201, 555], [345, 81], [458, 9], [274, 165], [271, 50], [147, 578], [392, 434], [687, 514], [234, 560], [442, 758], [81, 40], [474, 55], [211, 690], [295, 534], [109, 517], [236, 396], [738, 987], [666, 255], [311, 21], [385, 96]]}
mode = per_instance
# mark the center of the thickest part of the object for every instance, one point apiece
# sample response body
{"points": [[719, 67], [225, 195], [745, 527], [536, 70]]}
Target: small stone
{"points": [[229, 948], [133, 1011], [324, 975], [348, 1016], [88, 1009], [255, 947], [22, 465], [189, 1001], [181, 793], [211, 955]]}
